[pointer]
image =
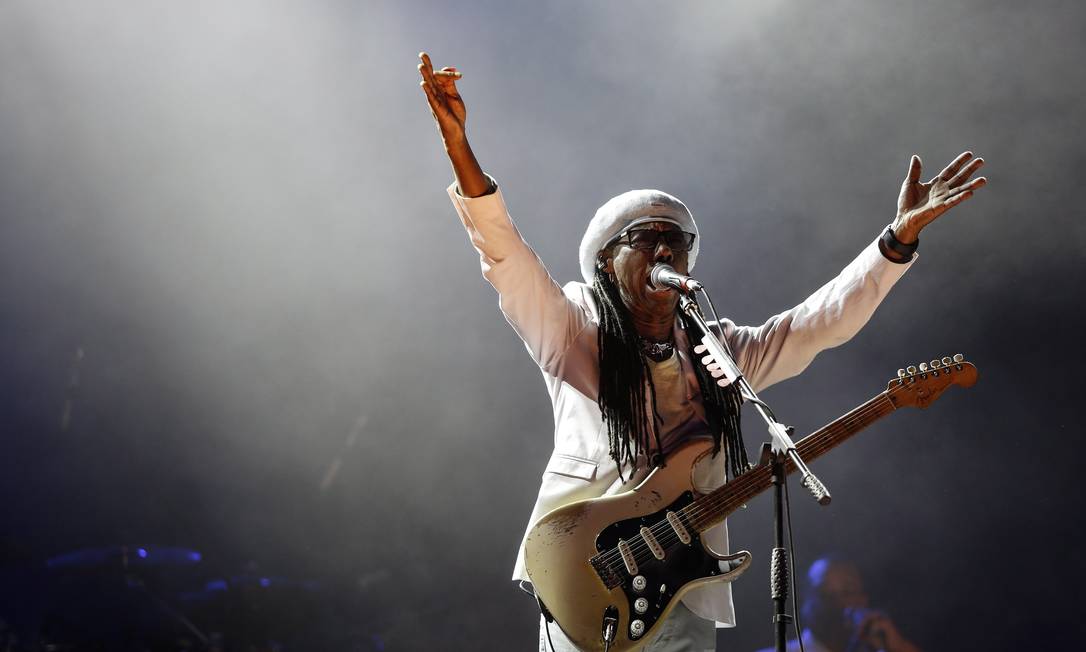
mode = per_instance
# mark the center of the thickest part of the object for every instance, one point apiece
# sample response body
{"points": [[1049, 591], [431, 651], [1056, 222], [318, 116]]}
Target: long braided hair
{"points": [[624, 376]]}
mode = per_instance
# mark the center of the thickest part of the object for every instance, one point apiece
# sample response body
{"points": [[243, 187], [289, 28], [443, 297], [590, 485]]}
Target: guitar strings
{"points": [[666, 536], [821, 441]]}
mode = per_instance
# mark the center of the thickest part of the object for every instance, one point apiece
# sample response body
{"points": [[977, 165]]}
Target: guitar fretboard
{"points": [[714, 507]]}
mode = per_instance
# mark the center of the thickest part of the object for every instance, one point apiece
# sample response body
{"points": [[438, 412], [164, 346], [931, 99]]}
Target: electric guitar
{"points": [[610, 569]]}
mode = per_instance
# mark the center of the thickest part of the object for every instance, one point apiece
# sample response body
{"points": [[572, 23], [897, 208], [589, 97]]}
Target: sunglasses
{"points": [[649, 239]]}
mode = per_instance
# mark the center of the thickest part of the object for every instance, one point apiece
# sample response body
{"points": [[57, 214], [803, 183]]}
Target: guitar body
{"points": [[627, 559], [561, 546]]}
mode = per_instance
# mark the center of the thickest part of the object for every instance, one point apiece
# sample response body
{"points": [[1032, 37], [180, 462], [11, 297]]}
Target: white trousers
{"points": [[682, 631]]}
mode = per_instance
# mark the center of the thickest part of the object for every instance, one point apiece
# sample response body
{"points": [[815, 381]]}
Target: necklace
{"points": [[657, 351]]}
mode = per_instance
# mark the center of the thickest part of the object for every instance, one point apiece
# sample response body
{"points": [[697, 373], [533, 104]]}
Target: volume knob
{"points": [[637, 628]]}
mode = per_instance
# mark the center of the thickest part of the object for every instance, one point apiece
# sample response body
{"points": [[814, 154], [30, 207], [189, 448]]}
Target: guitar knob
{"points": [[641, 605], [911, 369], [637, 628], [639, 583], [935, 364], [958, 357], [947, 361], [923, 367], [900, 373]]}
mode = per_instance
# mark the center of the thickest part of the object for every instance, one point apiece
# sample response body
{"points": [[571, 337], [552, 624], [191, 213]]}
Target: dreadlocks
{"points": [[624, 376], [722, 406]]}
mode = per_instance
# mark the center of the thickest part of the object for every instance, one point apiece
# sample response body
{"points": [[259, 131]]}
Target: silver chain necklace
{"points": [[657, 351]]}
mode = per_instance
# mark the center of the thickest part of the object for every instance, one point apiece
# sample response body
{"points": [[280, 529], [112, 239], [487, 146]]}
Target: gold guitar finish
{"points": [[572, 554], [559, 548]]}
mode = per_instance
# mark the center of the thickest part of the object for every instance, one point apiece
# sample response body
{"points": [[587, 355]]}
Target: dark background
{"points": [[240, 315]]}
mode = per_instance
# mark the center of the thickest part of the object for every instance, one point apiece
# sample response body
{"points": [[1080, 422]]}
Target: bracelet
{"points": [[889, 241]]}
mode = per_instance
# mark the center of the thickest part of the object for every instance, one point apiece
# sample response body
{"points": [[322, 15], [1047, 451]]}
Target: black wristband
{"points": [[889, 242]]}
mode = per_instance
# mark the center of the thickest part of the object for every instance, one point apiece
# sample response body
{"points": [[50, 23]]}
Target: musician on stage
{"points": [[837, 614], [625, 381]]}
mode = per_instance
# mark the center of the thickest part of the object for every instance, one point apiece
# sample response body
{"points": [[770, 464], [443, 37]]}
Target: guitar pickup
{"points": [[677, 525], [627, 557], [652, 543]]}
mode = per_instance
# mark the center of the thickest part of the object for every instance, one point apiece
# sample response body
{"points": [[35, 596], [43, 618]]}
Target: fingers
{"points": [[954, 200], [961, 193], [438, 107], [712, 366], [426, 69], [950, 170], [914, 170], [442, 82], [447, 77], [448, 72], [428, 88], [979, 182], [966, 172], [435, 88]]}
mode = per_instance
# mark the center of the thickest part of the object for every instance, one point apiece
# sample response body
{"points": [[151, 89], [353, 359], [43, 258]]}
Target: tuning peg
{"points": [[947, 361], [958, 357], [935, 364], [900, 373], [911, 369], [923, 367]]}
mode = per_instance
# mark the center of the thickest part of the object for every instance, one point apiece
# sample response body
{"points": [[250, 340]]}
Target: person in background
{"points": [[837, 614]]}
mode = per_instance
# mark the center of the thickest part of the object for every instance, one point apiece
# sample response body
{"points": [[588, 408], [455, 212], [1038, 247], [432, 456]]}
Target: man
{"points": [[625, 383], [837, 614]]}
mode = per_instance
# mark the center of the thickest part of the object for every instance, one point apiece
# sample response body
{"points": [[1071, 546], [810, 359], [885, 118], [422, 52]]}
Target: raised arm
{"points": [[788, 342], [451, 115], [532, 302]]}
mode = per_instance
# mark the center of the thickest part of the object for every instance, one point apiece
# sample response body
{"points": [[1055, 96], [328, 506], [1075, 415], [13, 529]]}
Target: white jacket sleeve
{"points": [[531, 301], [784, 345]]}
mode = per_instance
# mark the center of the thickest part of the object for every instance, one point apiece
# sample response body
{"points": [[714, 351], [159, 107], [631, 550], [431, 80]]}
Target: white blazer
{"points": [[558, 326]]}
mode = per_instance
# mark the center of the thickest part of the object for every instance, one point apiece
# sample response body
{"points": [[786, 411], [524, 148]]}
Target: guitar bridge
{"points": [[608, 576]]}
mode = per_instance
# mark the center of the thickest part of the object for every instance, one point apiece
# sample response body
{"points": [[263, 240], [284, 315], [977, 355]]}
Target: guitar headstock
{"points": [[919, 386]]}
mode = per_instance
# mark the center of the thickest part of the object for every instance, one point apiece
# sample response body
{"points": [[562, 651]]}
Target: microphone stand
{"points": [[781, 450]]}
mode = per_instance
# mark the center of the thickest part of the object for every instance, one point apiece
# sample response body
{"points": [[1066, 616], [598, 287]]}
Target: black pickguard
{"points": [[682, 563]]}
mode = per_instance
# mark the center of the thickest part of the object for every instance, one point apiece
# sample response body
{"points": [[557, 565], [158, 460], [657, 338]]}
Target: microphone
{"points": [[664, 276]]}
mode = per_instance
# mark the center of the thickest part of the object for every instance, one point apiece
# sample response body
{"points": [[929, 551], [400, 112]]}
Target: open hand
{"points": [[921, 203], [446, 105]]}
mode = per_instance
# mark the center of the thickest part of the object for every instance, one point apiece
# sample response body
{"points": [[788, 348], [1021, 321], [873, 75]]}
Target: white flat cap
{"points": [[628, 210]]}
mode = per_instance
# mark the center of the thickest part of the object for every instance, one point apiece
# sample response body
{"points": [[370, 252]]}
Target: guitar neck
{"points": [[714, 507]]}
